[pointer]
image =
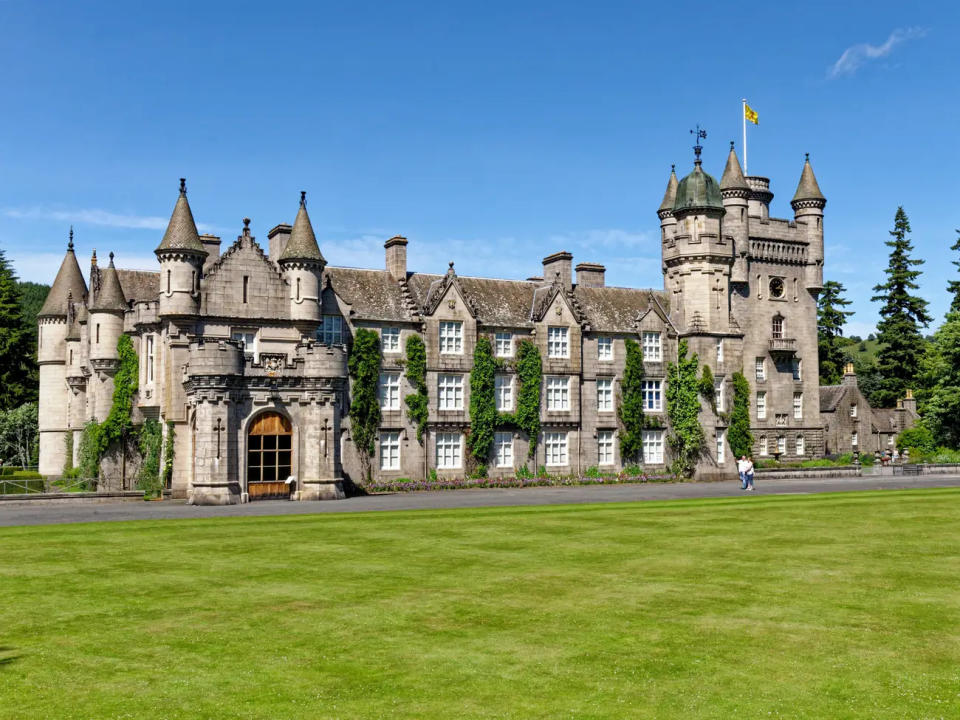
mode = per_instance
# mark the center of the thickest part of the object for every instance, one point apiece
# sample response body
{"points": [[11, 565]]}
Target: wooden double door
{"points": [[269, 457]]}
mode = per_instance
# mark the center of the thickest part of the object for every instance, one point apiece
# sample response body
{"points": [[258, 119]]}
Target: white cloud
{"points": [[97, 217], [856, 55]]}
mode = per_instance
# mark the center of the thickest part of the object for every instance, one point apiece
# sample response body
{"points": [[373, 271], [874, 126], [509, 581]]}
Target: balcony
{"points": [[783, 346]]}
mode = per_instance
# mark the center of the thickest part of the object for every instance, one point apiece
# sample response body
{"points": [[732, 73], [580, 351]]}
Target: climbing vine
{"points": [[125, 382], [683, 408], [417, 375], [68, 469], [708, 387], [483, 403], [631, 404], [150, 440], [364, 367], [88, 454], [168, 454], [529, 377], [739, 435]]}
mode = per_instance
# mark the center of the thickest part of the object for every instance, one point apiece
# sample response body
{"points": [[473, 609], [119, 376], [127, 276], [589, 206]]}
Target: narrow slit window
{"points": [[246, 286]]}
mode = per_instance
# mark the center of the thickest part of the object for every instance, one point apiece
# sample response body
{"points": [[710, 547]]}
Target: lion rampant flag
{"points": [[751, 114]]}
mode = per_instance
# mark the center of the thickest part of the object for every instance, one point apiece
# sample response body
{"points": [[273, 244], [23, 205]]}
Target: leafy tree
{"points": [[831, 317], [32, 297], [738, 434], [364, 368], [19, 434], [631, 404], [902, 314], [483, 403], [683, 409], [918, 439], [18, 379], [417, 409], [939, 392], [953, 286]]}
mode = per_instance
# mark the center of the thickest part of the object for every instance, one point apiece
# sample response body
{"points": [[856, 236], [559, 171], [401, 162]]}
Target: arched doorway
{"points": [[269, 457]]}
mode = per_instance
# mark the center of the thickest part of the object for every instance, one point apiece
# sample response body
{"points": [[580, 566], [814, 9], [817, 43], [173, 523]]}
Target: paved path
{"points": [[38, 512]]}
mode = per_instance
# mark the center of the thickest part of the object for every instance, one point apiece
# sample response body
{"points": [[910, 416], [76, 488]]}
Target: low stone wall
{"points": [[75, 497], [807, 473]]}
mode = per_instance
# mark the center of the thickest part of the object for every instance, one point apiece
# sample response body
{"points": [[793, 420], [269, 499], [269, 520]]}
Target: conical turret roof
{"points": [[111, 297], [181, 234], [73, 322], [302, 244], [69, 281], [808, 189], [670, 196], [733, 178]]}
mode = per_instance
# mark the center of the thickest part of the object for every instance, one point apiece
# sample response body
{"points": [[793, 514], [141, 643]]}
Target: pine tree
{"points": [[16, 357], [953, 286], [830, 320], [902, 314]]}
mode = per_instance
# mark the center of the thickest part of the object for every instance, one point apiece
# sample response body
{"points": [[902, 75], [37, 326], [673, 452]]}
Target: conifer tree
{"points": [[831, 317], [16, 356], [953, 286], [902, 315], [939, 394]]}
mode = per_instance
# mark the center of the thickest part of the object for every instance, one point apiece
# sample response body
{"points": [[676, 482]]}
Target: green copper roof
{"points": [[181, 232], [69, 281], [808, 189], [302, 244], [670, 196], [698, 190], [732, 178], [110, 297]]}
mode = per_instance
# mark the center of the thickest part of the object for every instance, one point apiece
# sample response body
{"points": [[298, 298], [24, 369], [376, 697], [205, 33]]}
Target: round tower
{"points": [[302, 266], [181, 256], [808, 203], [52, 330], [736, 224], [106, 326], [668, 223]]}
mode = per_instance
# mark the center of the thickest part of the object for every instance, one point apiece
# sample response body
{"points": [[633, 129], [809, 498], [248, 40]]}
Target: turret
{"points": [[808, 203], [668, 223], [181, 255], [302, 265], [106, 325], [52, 331], [736, 226]]}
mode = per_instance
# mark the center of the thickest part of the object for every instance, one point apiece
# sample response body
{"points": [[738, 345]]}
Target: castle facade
{"points": [[244, 352]]}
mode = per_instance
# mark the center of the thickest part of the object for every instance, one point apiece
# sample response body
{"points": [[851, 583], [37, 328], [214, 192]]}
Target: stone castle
{"points": [[244, 352]]}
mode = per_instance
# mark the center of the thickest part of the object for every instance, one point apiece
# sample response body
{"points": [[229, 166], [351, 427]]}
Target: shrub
{"points": [[633, 471], [917, 439], [593, 472], [523, 473], [739, 435]]}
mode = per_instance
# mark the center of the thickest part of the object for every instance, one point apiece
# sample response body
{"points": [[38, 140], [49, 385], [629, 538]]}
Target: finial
{"points": [[246, 227], [70, 241], [93, 258], [698, 135], [731, 145], [451, 264], [111, 258], [673, 168], [806, 157], [303, 198], [183, 187]]}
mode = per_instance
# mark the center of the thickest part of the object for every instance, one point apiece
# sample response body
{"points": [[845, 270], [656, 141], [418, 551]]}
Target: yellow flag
{"points": [[751, 114]]}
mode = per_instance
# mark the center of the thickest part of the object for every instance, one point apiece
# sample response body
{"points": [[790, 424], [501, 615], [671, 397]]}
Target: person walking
{"points": [[748, 473], [742, 470]]}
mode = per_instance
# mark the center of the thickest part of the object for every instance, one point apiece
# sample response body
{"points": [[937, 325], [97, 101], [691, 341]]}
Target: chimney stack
{"points": [[211, 243], [562, 263], [910, 402], [591, 275], [849, 376], [278, 238], [396, 251]]}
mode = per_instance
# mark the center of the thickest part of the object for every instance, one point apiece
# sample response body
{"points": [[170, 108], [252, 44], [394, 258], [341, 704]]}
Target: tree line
{"points": [[905, 359]]}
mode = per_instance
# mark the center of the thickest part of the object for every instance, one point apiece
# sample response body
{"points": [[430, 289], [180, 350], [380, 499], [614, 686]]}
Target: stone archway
{"points": [[269, 456]]}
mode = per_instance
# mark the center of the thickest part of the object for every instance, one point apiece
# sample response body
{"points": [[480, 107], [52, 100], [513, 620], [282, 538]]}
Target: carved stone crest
{"points": [[273, 364]]}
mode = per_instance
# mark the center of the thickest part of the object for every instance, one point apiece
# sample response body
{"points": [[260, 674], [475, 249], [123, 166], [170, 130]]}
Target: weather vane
{"points": [[698, 135]]}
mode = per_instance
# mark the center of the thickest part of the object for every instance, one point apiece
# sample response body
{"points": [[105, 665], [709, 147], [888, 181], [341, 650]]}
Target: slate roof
{"points": [[302, 244], [372, 294], [830, 397], [670, 196], [698, 190], [139, 285], [884, 420], [615, 309], [181, 232], [808, 188], [69, 280], [732, 178], [110, 297]]}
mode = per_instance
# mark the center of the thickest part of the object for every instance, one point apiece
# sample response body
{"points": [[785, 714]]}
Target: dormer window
{"points": [[558, 342]]}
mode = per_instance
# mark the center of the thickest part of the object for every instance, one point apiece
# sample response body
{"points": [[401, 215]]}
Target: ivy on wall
{"points": [[117, 424], [483, 402], [88, 454], [364, 368], [168, 455], [150, 441], [68, 469], [417, 401], [738, 434], [683, 409], [529, 378], [708, 387], [631, 404]]}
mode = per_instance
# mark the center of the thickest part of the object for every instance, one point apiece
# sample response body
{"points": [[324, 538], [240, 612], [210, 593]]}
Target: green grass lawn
{"points": [[824, 606]]}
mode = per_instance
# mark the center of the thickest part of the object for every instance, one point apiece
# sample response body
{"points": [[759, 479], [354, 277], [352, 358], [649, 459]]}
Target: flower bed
{"points": [[507, 482]]}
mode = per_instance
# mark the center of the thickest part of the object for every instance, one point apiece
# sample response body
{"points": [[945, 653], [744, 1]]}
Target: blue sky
{"points": [[488, 133]]}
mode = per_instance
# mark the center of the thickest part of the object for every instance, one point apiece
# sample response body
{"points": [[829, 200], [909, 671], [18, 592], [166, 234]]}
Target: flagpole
{"points": [[744, 118]]}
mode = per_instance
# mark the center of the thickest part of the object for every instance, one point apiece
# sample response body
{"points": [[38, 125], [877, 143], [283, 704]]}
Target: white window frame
{"points": [[760, 368], [249, 342], [781, 444], [796, 367], [503, 449], [149, 357], [719, 398], [721, 446], [449, 450], [557, 393], [651, 394], [764, 450], [761, 404], [503, 391], [449, 391], [450, 336], [555, 449], [605, 394], [801, 445], [388, 389], [855, 439], [719, 350], [389, 450], [606, 448], [652, 447], [605, 349], [652, 346], [558, 342], [853, 410], [331, 330], [503, 344], [798, 406], [390, 339]]}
